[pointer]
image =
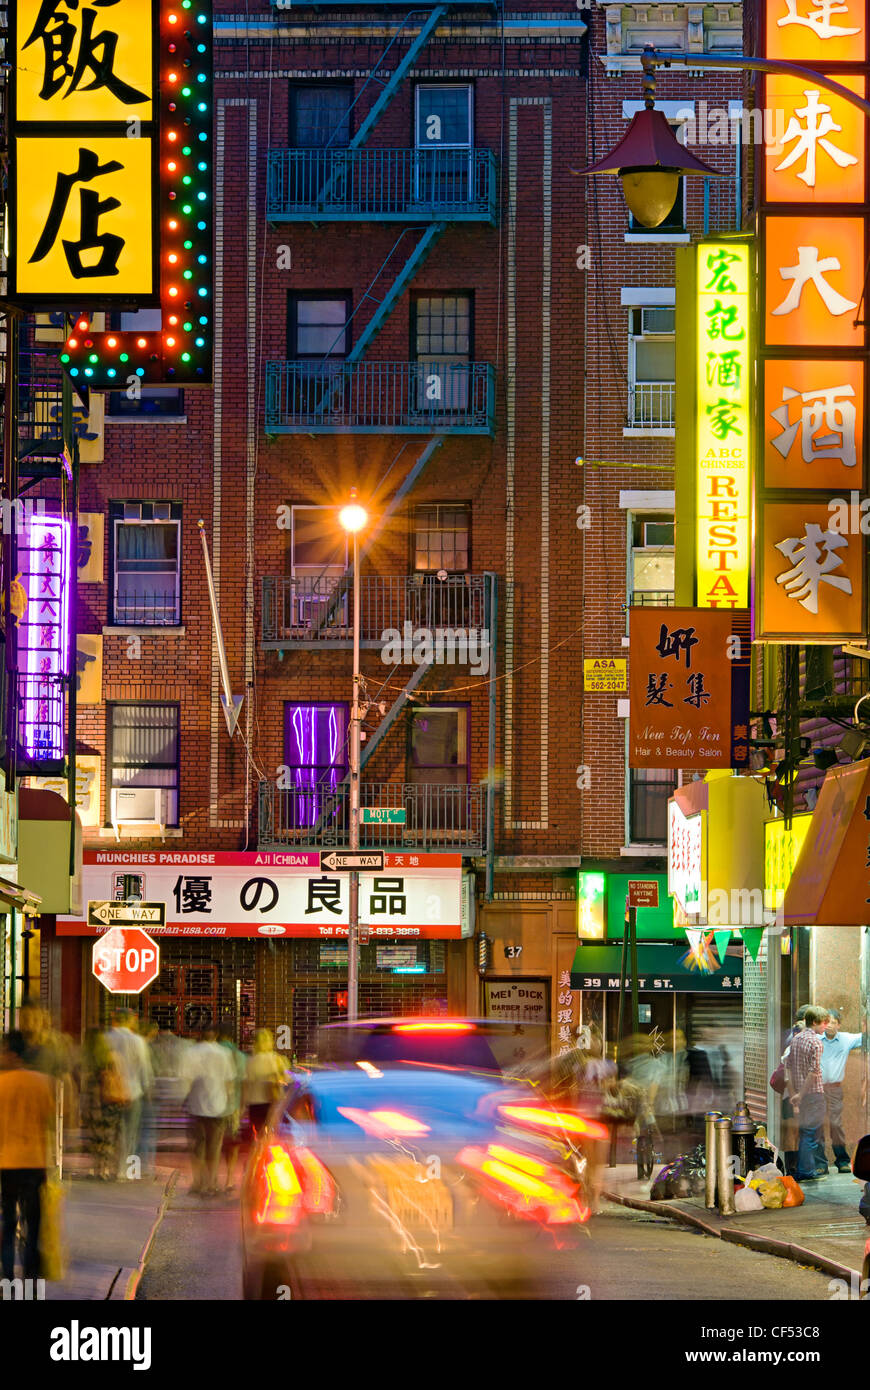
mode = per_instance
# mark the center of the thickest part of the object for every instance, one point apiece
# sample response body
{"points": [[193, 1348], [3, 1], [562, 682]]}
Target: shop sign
{"points": [[687, 860], [88, 803], [8, 823], [781, 850], [44, 636], [89, 669], [811, 576], [722, 424], [89, 545], [813, 428], [689, 689], [517, 1001], [111, 176], [730, 982], [604, 674], [224, 894], [591, 890], [816, 31]]}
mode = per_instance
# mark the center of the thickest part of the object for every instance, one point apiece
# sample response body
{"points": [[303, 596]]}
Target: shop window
{"points": [[315, 758], [143, 752], [145, 563]]}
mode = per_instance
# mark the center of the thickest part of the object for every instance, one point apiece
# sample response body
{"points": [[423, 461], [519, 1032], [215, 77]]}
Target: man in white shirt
{"points": [[210, 1076], [837, 1046], [133, 1060]]}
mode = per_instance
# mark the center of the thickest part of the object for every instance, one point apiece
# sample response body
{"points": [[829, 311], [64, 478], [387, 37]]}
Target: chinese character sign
{"points": [[722, 427], [817, 155], [816, 31], [83, 152], [813, 427], [689, 688], [44, 637], [812, 574], [813, 281], [687, 861]]}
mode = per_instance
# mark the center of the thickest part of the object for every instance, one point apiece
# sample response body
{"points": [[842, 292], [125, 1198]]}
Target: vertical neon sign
{"points": [[43, 636]]}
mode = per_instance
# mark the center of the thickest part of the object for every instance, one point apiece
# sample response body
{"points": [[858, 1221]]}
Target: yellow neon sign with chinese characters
{"points": [[722, 424], [781, 850]]}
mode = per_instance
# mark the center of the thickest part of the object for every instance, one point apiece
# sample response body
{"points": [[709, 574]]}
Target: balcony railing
{"points": [[437, 818], [304, 610], [380, 397], [651, 405], [380, 185]]}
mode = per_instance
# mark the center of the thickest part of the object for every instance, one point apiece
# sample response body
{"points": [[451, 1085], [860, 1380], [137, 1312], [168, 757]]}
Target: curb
{"points": [[129, 1279], [765, 1245]]}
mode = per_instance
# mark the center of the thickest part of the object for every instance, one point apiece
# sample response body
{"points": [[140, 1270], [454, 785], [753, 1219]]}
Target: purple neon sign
{"points": [[44, 553]]}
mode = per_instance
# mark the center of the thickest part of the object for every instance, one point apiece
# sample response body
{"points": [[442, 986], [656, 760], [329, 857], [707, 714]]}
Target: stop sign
{"points": [[126, 960]]}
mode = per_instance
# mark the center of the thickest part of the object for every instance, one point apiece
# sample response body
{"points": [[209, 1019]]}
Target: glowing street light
{"points": [[353, 518]]}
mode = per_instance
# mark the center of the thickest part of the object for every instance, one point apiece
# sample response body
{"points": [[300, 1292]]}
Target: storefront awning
{"points": [[830, 883], [658, 971]]}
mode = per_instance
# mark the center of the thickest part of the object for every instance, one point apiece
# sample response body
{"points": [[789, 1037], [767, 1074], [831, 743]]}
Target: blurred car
{"points": [[407, 1178]]}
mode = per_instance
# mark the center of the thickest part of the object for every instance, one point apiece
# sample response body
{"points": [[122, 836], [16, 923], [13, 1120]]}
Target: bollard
{"points": [[710, 1157], [724, 1174]]}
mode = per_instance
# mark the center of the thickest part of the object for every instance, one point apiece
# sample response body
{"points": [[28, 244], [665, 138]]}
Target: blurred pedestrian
{"points": [[836, 1046], [803, 1070], [210, 1075], [148, 1122], [232, 1137], [264, 1077], [27, 1119], [134, 1065], [103, 1097]]}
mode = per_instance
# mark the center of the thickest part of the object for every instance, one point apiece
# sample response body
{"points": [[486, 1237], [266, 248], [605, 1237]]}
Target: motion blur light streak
{"points": [[318, 1187], [514, 1184], [384, 1124], [282, 1202], [537, 1118], [370, 1070], [433, 1028]]}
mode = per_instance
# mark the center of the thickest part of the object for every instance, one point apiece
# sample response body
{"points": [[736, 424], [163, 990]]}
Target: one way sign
{"points": [[336, 860], [114, 914]]}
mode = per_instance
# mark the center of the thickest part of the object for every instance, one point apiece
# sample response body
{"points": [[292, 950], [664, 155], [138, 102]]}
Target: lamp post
{"points": [[353, 518], [650, 160]]}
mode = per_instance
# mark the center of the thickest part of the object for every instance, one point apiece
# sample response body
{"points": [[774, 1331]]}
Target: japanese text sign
{"points": [[224, 894], [44, 636], [689, 687], [722, 427]]}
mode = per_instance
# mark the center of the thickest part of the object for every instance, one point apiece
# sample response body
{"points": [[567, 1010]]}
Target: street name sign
{"points": [[383, 815], [115, 914], [337, 861]]}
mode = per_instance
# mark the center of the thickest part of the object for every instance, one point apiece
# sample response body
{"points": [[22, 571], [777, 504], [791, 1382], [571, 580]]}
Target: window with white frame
{"points": [[651, 366], [444, 134], [650, 584], [145, 563]]}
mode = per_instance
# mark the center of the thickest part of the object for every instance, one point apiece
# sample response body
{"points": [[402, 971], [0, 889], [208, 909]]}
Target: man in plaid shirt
{"points": [[803, 1069]]}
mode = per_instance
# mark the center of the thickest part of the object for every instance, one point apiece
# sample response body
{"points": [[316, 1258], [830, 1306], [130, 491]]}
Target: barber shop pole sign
{"points": [[126, 960]]}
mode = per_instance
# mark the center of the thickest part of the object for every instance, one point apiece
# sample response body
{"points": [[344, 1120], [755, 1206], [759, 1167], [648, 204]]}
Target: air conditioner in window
{"points": [[145, 806]]}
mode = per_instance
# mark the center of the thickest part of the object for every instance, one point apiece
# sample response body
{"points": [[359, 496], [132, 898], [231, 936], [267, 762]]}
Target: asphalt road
{"points": [[627, 1256]]}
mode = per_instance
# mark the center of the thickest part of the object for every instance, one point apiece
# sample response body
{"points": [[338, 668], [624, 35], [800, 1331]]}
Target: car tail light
{"points": [[448, 1027], [541, 1118], [292, 1184], [385, 1124], [528, 1186]]}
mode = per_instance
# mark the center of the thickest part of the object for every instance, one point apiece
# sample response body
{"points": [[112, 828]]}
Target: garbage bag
{"points": [[773, 1194], [794, 1194], [747, 1199]]}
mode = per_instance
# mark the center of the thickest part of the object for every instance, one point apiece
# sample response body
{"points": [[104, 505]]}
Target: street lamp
{"points": [[353, 518], [650, 160]]}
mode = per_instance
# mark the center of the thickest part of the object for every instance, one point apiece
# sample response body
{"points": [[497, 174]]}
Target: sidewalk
{"points": [[826, 1231], [109, 1227]]}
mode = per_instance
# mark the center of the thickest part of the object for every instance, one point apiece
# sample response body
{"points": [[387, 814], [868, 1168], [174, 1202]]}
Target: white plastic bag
{"points": [[747, 1199]]}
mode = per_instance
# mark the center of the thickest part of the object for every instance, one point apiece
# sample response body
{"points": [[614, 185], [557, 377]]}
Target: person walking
{"points": [[803, 1069], [27, 1119], [836, 1046], [210, 1075], [263, 1078], [134, 1064], [232, 1137]]}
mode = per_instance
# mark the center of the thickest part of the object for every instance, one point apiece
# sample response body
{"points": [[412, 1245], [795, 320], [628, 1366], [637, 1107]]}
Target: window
{"points": [[143, 753], [151, 400], [439, 745], [320, 115], [443, 136], [651, 367], [317, 325], [441, 335], [318, 561], [315, 755], [145, 563], [441, 536], [651, 580], [649, 791]]}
